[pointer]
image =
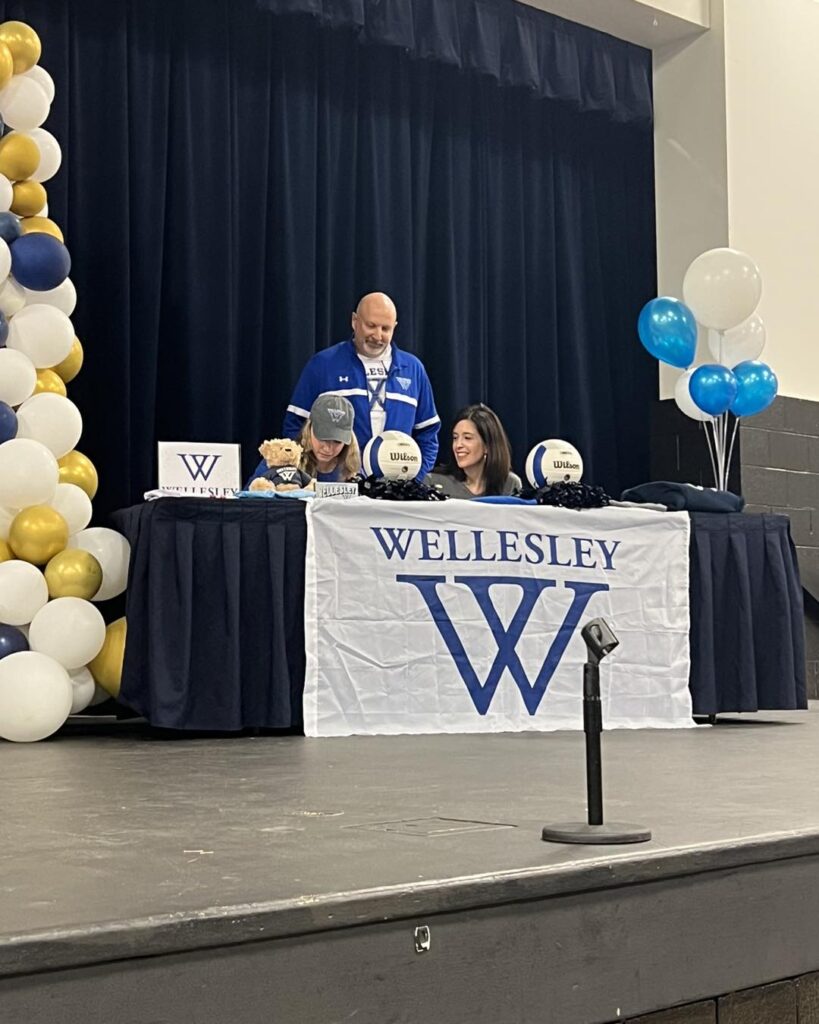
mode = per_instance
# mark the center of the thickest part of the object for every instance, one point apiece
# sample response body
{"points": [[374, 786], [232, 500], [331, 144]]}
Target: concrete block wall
{"points": [[779, 467], [679, 449], [795, 1001]]}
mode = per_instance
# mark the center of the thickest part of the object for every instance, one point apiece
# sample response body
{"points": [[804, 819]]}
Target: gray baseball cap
{"points": [[331, 419]]}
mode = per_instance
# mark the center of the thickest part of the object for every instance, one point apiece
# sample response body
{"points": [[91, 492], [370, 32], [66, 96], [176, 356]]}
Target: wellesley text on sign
{"points": [[438, 545]]}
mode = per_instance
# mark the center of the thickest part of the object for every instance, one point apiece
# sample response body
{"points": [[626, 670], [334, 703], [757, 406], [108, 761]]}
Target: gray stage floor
{"points": [[115, 841]]}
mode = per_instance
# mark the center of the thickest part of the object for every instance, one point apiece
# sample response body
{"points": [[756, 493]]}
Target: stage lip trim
{"points": [[230, 926]]}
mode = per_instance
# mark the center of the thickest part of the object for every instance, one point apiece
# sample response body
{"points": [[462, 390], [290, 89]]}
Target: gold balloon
{"points": [[37, 533], [72, 364], [44, 225], [6, 554], [23, 42], [73, 573], [106, 668], [6, 65], [48, 380], [76, 468], [19, 155], [29, 198]]}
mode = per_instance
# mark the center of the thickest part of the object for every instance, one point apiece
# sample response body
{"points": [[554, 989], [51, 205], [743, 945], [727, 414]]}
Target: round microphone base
{"points": [[595, 835]]}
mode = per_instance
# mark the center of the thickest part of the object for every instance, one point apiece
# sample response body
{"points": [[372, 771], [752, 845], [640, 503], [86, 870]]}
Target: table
{"points": [[215, 613]]}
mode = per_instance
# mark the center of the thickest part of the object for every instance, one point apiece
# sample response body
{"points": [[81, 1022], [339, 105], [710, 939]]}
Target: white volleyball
{"points": [[392, 455], [553, 462]]}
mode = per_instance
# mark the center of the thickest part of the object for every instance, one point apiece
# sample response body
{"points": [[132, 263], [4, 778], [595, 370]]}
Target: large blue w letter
{"points": [[505, 639]]}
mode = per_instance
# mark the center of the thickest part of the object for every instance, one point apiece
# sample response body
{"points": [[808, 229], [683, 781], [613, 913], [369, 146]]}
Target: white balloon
{"points": [[722, 287], [6, 194], [43, 332], [23, 592], [740, 343], [12, 297], [51, 419], [63, 297], [29, 473], [50, 154], [43, 79], [17, 376], [73, 504], [6, 516], [100, 696], [35, 696], [111, 550], [23, 104], [68, 629], [685, 403], [5, 260], [84, 689]]}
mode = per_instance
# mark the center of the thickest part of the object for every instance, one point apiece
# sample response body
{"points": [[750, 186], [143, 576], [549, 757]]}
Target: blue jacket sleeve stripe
{"points": [[346, 392], [396, 396]]}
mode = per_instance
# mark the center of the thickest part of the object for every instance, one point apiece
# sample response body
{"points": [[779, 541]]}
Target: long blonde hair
{"points": [[349, 458]]}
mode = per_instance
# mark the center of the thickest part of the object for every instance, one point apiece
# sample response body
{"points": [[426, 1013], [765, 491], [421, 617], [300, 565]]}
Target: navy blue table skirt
{"points": [[215, 614]]}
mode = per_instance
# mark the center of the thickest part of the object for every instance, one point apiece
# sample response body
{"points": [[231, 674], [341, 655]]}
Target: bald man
{"points": [[388, 388]]}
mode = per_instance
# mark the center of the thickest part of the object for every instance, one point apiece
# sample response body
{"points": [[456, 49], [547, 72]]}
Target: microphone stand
{"points": [[600, 641]]}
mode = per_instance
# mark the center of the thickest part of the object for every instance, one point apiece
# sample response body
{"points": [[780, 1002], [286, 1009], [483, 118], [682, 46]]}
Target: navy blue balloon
{"points": [[668, 330], [8, 423], [713, 388], [9, 227], [756, 388], [39, 261], [4, 330], [12, 641]]}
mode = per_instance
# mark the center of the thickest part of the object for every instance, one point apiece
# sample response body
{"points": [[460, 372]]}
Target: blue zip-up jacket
{"points": [[409, 404]]}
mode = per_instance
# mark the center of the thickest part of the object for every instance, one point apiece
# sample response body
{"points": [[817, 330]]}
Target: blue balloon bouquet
{"points": [[667, 329]]}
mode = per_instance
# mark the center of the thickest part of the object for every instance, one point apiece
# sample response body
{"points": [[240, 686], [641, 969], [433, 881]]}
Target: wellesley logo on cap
{"points": [[336, 415]]}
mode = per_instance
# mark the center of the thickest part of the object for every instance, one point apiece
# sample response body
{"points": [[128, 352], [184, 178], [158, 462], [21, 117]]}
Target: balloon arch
{"points": [[57, 655]]}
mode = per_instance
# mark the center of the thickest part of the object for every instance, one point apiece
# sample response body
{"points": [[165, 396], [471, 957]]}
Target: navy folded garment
{"points": [[685, 497]]}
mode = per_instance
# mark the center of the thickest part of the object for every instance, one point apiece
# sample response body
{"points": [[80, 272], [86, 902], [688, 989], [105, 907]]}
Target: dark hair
{"points": [[498, 450]]}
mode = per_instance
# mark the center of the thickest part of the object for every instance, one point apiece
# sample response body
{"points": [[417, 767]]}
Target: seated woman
{"points": [[481, 457], [330, 450]]}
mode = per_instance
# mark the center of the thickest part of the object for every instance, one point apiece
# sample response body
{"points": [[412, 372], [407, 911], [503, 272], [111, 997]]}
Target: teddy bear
{"points": [[283, 474]]}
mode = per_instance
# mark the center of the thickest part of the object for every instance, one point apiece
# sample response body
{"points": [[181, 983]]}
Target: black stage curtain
{"points": [[514, 43], [234, 180]]}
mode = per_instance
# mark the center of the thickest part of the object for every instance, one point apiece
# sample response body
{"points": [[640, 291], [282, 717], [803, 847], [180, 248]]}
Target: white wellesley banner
{"points": [[464, 616]]}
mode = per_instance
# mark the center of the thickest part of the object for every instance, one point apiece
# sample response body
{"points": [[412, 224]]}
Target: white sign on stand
{"points": [[199, 469]]}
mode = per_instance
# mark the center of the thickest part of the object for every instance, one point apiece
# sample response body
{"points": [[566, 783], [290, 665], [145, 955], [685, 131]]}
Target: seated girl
{"points": [[481, 460], [330, 450]]}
